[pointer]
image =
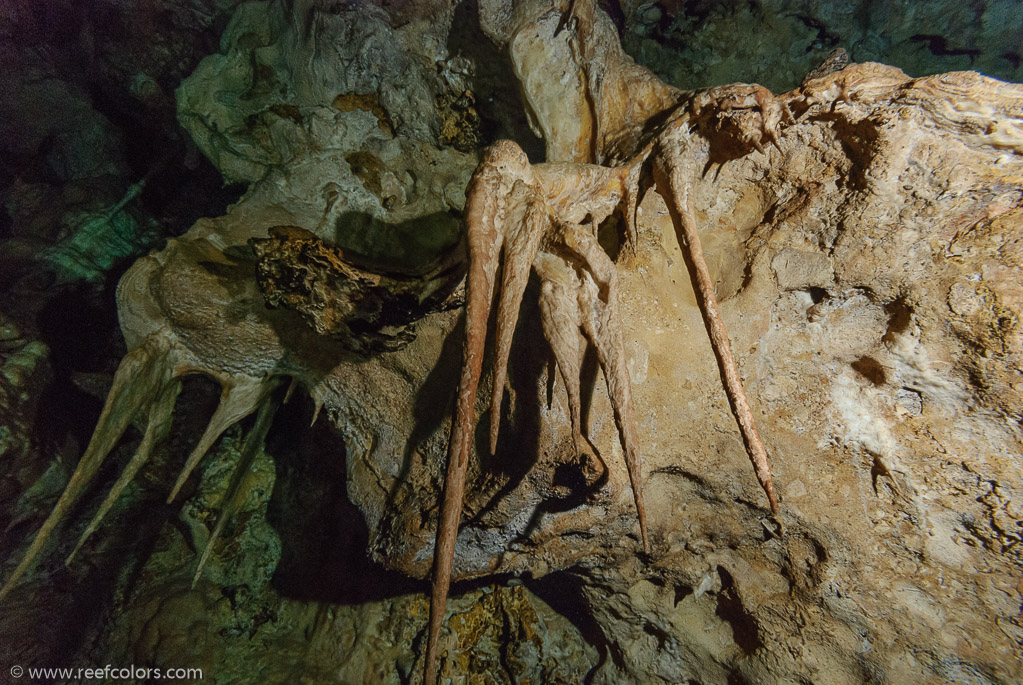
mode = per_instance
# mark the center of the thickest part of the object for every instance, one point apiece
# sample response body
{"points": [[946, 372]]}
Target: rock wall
{"points": [[694, 45], [866, 269]]}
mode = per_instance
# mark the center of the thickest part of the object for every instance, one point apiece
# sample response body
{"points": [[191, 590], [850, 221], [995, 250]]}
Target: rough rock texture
{"points": [[363, 306], [384, 197], [288, 595], [248, 108], [209, 316], [867, 272], [24, 372], [875, 404], [693, 44]]}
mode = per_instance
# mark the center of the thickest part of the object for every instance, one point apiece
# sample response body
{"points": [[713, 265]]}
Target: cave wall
{"points": [[695, 44], [888, 387]]}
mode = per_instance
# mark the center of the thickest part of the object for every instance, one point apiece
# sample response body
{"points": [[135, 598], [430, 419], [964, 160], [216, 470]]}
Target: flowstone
{"points": [[864, 253]]}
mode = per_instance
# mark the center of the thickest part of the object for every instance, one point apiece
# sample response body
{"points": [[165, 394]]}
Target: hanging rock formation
{"points": [[865, 257]]}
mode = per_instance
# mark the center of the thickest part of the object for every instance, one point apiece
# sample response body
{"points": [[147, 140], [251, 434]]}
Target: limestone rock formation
{"points": [[693, 44], [865, 255], [248, 109]]}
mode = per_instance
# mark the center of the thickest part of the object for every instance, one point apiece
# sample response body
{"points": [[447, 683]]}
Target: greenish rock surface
{"points": [[777, 42]]}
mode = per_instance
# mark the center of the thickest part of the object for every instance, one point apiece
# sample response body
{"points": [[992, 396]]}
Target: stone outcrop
{"points": [[866, 265]]}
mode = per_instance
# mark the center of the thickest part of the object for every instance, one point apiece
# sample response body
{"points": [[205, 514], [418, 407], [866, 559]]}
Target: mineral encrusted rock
{"points": [[369, 307], [867, 270]]}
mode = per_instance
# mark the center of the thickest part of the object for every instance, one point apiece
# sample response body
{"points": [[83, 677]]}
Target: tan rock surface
{"points": [[867, 269]]}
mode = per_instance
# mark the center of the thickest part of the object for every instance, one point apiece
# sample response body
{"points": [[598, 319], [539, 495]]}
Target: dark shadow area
{"points": [[737, 678], [398, 249], [870, 369], [46, 620], [589, 377], [900, 316], [518, 448], [610, 234], [518, 445], [324, 537], [675, 470], [569, 477], [939, 47], [498, 100], [182, 185], [730, 609], [825, 39], [431, 406], [657, 633], [563, 592], [79, 325]]}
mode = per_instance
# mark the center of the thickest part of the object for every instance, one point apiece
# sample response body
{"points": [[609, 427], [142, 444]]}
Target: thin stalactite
{"points": [[522, 218]]}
